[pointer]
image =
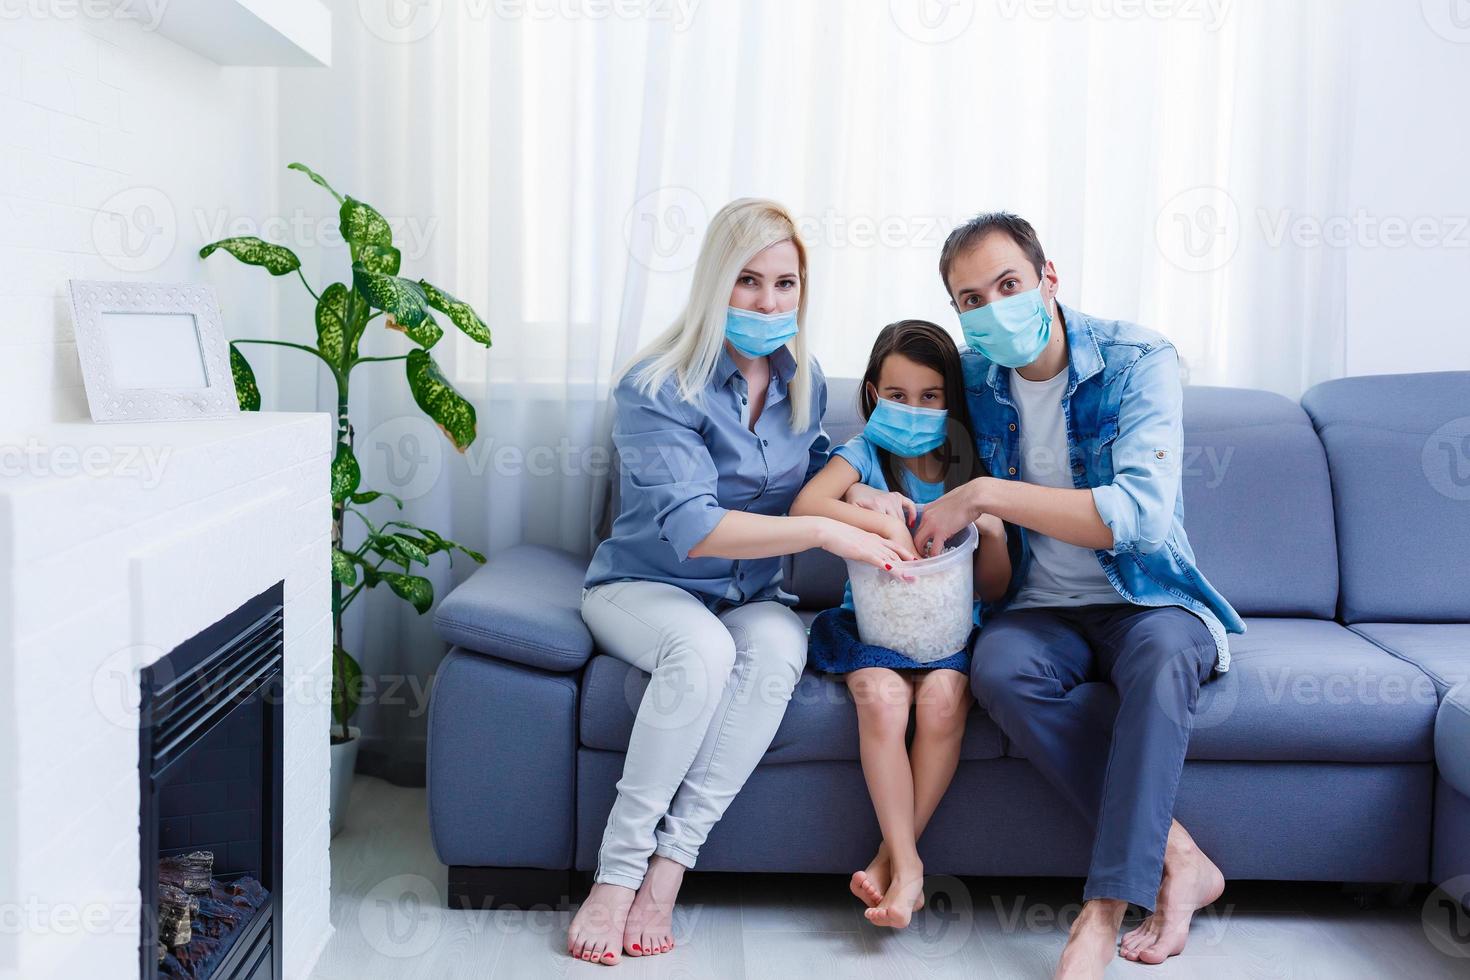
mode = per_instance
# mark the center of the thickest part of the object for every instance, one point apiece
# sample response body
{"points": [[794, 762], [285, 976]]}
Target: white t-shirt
{"points": [[1061, 574]]}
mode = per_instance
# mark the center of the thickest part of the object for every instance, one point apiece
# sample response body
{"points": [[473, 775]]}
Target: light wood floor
{"points": [[388, 910]]}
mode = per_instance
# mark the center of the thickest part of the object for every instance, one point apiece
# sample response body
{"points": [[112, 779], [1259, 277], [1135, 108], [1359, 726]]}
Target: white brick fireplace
{"points": [[117, 543]]}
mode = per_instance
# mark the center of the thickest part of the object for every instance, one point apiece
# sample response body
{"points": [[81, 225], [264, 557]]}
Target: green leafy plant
{"points": [[343, 312]]}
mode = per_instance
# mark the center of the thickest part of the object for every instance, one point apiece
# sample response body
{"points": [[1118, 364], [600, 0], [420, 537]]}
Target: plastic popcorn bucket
{"points": [[926, 617]]}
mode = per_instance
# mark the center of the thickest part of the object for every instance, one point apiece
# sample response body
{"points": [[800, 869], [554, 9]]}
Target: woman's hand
{"points": [[890, 502], [846, 541]]}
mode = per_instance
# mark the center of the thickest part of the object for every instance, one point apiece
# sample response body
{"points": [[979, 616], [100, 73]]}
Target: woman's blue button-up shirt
{"points": [[684, 466]]}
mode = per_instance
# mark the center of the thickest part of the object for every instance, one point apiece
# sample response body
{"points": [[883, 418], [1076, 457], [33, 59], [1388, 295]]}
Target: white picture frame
{"points": [[152, 351]]}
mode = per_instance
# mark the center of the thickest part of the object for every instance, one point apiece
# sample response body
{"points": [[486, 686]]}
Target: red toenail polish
{"points": [[636, 948]]}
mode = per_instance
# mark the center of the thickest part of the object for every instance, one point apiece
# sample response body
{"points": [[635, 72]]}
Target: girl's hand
{"points": [[899, 538], [889, 502], [991, 528], [846, 541]]}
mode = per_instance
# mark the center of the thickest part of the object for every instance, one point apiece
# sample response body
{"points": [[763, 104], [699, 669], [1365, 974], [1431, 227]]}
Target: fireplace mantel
{"points": [[117, 543]]}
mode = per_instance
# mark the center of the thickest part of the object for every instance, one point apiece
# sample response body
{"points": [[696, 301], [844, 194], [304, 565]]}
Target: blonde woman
{"points": [[718, 425]]}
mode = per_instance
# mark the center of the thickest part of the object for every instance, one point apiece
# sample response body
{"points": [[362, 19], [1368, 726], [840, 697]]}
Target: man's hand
{"points": [[891, 502], [947, 516]]}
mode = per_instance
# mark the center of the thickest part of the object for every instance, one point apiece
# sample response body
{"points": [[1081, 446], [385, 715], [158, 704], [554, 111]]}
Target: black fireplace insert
{"points": [[210, 774]]}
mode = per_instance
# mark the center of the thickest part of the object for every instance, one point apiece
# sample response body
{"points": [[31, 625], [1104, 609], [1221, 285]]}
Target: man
{"points": [[1078, 421]]}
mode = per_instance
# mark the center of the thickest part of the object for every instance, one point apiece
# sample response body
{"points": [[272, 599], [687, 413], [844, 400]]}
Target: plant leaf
{"points": [[401, 299], [343, 569], [316, 177], [458, 311], [382, 259], [246, 390], [368, 496], [415, 588], [275, 259], [436, 396], [345, 473], [362, 225], [444, 544], [426, 334], [346, 686], [331, 324], [411, 547]]}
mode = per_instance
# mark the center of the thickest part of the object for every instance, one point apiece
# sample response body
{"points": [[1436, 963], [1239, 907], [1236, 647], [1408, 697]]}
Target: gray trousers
{"points": [[719, 688]]}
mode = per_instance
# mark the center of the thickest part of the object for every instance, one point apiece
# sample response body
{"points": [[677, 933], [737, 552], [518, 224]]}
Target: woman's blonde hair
{"points": [[690, 347]]}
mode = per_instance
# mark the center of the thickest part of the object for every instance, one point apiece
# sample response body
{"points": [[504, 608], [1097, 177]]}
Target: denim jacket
{"points": [[1123, 410]]}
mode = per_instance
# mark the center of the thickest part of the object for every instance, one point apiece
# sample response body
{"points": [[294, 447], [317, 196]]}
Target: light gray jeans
{"points": [[719, 687]]}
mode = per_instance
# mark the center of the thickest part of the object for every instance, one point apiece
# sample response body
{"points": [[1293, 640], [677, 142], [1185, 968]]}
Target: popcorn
{"points": [[927, 618]]}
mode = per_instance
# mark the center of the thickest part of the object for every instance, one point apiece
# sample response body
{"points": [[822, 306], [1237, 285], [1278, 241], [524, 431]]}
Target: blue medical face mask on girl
{"points": [[1012, 331], [906, 430], [758, 334]]}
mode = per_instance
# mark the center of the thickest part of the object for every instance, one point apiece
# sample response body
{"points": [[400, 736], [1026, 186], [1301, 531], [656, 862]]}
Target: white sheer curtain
{"points": [[556, 169]]}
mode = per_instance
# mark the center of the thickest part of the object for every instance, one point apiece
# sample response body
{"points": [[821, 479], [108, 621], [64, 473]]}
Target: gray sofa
{"points": [[1337, 748]]}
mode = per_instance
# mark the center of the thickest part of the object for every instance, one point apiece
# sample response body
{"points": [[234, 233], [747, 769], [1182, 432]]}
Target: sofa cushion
{"points": [[524, 605], [1258, 502], [1398, 447], [1441, 650], [820, 722], [1452, 738], [1304, 690]]}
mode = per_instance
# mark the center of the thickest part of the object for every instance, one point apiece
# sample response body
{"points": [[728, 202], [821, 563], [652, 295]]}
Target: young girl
{"points": [[917, 444]]}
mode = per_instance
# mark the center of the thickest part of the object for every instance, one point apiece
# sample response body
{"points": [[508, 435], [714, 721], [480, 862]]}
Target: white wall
{"points": [[119, 153], [1408, 306]]}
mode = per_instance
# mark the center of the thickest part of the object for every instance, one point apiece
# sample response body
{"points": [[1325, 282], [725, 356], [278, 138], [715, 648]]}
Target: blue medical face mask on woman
{"points": [[758, 334], [1012, 331], [906, 430]]}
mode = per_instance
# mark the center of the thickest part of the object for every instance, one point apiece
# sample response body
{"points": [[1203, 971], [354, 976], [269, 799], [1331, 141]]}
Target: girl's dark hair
{"points": [[930, 345]]}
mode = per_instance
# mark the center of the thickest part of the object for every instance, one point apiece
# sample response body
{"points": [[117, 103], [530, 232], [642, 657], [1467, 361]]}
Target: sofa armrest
{"points": [[1452, 738], [524, 605]]}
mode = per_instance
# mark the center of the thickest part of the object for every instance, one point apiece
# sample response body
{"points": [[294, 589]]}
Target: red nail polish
{"points": [[888, 566], [636, 948]]}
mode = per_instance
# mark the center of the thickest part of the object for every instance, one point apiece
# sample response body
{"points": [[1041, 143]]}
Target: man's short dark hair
{"points": [[970, 234]]}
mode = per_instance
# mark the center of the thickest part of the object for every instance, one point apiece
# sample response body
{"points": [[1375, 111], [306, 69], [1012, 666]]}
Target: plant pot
{"points": [[344, 764]]}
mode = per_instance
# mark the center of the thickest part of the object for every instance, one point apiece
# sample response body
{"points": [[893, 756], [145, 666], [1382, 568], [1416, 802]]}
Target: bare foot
{"points": [[1191, 881], [598, 925], [870, 883], [650, 925], [904, 895], [1093, 941]]}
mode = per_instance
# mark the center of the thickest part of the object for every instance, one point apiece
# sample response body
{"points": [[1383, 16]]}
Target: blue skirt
{"points": [[834, 647]]}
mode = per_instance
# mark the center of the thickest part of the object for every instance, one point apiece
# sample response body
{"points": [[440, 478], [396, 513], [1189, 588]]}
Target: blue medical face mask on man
{"points": [[1012, 331], [758, 334], [906, 430]]}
